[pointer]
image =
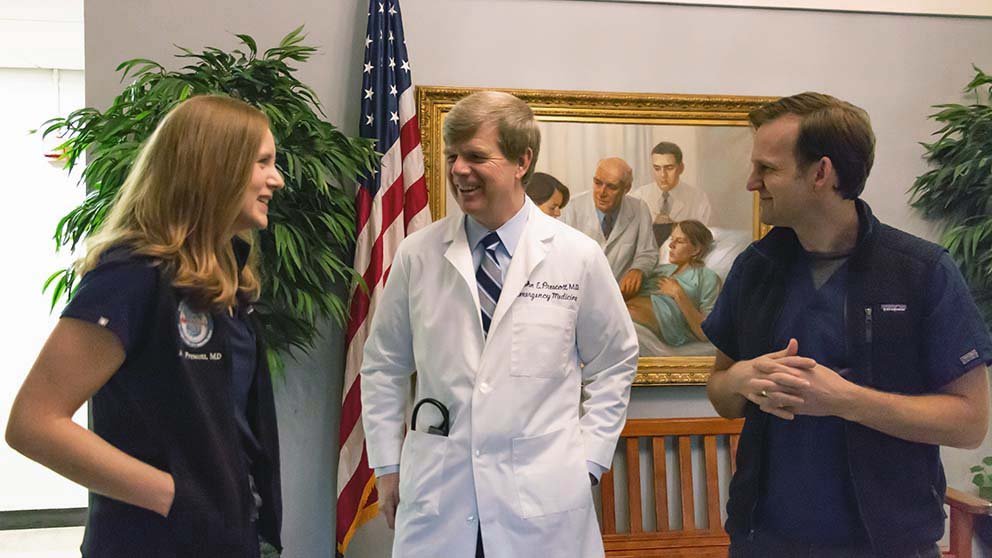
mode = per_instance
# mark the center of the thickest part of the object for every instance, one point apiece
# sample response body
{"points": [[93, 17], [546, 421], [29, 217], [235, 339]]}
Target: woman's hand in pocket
{"points": [[165, 494]]}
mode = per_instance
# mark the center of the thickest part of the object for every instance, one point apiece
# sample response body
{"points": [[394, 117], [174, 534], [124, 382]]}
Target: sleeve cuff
{"points": [[595, 469], [386, 470]]}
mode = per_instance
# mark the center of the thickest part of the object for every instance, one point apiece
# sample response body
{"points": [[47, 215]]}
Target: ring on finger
{"points": [[764, 393]]}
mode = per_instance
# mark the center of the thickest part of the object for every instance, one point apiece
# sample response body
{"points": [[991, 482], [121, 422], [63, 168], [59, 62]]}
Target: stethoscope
{"points": [[437, 430]]}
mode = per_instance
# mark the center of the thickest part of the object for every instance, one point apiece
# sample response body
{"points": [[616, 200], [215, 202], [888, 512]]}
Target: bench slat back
{"points": [[679, 434]]}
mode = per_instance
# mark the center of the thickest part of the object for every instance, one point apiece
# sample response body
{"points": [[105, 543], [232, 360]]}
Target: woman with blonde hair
{"points": [[183, 455]]}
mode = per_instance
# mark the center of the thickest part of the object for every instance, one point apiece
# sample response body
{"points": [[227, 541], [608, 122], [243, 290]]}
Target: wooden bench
{"points": [[965, 508], [690, 540]]}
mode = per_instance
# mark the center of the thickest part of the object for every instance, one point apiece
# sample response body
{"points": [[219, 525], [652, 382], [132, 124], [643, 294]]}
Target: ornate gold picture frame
{"points": [[579, 127]]}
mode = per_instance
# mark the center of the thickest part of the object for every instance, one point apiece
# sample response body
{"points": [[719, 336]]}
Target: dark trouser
{"points": [[478, 544], [254, 550], [764, 545]]}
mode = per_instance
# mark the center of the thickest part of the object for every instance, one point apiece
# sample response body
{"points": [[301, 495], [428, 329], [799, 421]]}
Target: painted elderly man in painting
{"points": [[620, 224]]}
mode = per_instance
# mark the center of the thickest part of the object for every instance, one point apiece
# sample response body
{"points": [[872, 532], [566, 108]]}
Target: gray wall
{"points": [[893, 66]]}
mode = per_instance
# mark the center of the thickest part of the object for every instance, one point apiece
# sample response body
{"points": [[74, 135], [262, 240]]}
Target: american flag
{"points": [[391, 204]]}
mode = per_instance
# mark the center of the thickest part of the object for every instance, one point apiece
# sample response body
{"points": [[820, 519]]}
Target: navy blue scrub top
{"points": [[807, 494], [807, 456], [119, 293]]}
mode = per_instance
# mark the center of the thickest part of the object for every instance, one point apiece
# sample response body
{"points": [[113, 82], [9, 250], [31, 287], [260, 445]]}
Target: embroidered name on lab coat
{"points": [[543, 290]]}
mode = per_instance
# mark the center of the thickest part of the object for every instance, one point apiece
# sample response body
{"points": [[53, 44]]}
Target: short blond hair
{"points": [[514, 120], [181, 198]]}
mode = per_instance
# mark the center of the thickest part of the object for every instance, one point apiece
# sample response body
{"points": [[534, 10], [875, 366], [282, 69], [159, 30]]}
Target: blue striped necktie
{"points": [[489, 278]]}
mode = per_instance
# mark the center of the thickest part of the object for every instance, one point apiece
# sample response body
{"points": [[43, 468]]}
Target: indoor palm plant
{"points": [[957, 190], [983, 478], [305, 250]]}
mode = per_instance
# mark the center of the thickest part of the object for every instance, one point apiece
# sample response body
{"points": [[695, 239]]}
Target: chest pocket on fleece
{"points": [[542, 337]]}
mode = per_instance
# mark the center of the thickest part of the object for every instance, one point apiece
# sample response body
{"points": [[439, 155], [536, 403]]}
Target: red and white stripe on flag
{"points": [[398, 208]]}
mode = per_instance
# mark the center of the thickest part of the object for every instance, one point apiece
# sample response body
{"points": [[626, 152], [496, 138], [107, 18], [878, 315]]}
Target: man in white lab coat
{"points": [[514, 323], [621, 224]]}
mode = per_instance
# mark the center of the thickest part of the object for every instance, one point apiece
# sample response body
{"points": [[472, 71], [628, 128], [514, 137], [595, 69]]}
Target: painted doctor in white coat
{"points": [[621, 224], [515, 323]]}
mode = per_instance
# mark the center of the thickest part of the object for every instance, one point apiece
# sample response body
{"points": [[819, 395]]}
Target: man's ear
{"points": [[824, 174], [523, 163]]}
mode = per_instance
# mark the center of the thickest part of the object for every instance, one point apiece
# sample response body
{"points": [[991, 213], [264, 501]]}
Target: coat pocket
{"points": [[542, 335], [550, 473], [422, 471]]}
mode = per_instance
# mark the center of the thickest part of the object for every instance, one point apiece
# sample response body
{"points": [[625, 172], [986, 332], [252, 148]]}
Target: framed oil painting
{"points": [[704, 177]]}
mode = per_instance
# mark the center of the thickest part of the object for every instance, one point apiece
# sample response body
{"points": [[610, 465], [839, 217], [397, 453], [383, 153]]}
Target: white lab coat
{"points": [[516, 454], [631, 244]]}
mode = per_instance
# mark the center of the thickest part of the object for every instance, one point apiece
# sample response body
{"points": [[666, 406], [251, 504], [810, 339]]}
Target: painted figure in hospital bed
{"points": [[676, 298]]}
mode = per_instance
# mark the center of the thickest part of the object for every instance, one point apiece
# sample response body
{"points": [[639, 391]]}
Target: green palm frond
{"points": [[957, 190]]}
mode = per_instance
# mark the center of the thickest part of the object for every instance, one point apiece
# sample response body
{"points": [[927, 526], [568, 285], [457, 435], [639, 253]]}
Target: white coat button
{"points": [[470, 518], [478, 453], [485, 387]]}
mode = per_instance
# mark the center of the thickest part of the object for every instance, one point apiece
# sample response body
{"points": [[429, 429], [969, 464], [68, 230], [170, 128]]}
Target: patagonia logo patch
{"points": [[969, 356], [893, 308]]}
